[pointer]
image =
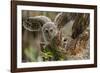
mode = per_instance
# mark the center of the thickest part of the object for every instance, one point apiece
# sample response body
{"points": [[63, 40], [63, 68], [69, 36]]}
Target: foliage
{"points": [[31, 54], [51, 55], [47, 54]]}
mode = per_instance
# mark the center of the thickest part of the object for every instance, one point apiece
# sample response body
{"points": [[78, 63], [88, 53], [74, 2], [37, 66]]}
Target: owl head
{"points": [[49, 31]]}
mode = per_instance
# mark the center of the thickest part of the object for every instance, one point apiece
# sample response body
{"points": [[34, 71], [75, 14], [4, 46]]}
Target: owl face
{"points": [[49, 31]]}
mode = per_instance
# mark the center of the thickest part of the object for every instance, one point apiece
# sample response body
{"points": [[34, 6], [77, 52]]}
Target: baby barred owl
{"points": [[49, 30]]}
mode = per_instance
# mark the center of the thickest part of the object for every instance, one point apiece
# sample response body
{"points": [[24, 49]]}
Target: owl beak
{"points": [[49, 35]]}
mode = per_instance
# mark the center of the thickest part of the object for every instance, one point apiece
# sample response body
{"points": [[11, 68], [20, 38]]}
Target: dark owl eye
{"points": [[65, 39], [51, 30], [46, 31]]}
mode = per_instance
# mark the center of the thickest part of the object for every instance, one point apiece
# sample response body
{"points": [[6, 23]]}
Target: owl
{"points": [[49, 30]]}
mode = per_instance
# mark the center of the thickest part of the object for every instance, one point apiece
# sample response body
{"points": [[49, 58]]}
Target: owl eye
{"points": [[46, 30], [51, 30], [65, 39]]}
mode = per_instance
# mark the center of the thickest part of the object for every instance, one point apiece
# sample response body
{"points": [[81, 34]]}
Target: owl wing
{"points": [[72, 24], [35, 23], [80, 24], [63, 18]]}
